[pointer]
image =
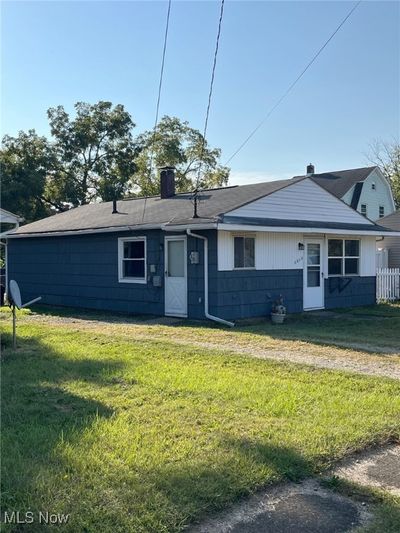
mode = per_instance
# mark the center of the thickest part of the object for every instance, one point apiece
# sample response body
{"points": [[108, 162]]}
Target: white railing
{"points": [[387, 284]]}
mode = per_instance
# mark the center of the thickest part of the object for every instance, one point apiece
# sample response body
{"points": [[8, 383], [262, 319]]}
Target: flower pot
{"points": [[277, 318]]}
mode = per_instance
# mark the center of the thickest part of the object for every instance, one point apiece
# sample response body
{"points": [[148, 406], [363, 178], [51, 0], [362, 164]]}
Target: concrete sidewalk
{"points": [[308, 507]]}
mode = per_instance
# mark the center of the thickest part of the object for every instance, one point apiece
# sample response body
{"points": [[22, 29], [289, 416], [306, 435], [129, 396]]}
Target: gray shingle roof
{"points": [[178, 210], [391, 221], [341, 181], [271, 222], [154, 210]]}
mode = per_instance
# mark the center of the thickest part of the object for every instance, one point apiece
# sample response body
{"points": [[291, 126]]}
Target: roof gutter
{"points": [[207, 314], [289, 229], [113, 229], [185, 227]]}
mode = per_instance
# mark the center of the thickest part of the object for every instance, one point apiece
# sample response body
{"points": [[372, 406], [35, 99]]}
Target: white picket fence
{"points": [[387, 284]]}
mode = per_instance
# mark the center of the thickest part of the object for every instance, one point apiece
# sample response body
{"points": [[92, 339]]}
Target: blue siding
{"points": [[196, 279], [350, 292], [241, 294], [251, 293], [82, 271]]}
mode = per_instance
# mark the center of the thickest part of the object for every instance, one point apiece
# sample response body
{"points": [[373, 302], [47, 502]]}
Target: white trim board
{"points": [[121, 278], [320, 231], [173, 284]]}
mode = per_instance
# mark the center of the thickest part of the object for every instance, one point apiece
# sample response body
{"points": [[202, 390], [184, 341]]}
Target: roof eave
{"points": [[300, 229], [114, 229]]}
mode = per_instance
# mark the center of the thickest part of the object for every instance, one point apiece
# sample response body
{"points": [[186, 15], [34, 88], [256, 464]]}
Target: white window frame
{"points": [[381, 207], [246, 236], [343, 257], [121, 259], [362, 211]]}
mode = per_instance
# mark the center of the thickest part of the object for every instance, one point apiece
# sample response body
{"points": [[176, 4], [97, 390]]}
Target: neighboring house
{"points": [[248, 245], [364, 189], [391, 245], [8, 221]]}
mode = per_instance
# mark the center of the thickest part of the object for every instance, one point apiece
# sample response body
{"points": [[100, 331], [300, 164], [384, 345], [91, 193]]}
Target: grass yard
{"points": [[134, 434], [350, 333]]}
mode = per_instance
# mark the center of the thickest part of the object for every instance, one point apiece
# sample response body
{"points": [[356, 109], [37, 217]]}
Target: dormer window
{"points": [[373, 186]]}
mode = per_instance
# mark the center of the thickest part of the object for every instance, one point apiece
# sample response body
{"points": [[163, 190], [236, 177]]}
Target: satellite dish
{"points": [[15, 297], [15, 294]]}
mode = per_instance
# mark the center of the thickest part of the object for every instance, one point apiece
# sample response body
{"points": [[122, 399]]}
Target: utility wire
{"points": [[289, 89], [210, 93], [160, 86], [162, 64], [213, 73]]}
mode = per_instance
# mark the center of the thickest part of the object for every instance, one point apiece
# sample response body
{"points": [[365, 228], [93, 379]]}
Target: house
{"points": [[365, 189], [248, 245], [391, 244], [8, 222]]}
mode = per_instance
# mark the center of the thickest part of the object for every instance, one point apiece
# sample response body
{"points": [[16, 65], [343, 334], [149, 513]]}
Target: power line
{"points": [[289, 89], [160, 86], [162, 64], [213, 71], [210, 93]]}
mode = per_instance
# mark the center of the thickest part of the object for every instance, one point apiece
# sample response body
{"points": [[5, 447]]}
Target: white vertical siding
{"points": [[280, 251], [368, 256], [273, 251], [225, 250], [304, 200]]}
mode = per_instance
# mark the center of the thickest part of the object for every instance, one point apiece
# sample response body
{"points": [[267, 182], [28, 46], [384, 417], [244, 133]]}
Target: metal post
{"points": [[14, 313]]}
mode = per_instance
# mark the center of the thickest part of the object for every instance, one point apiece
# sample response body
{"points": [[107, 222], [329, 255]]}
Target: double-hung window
{"points": [[244, 251], [343, 257], [132, 260], [381, 211]]}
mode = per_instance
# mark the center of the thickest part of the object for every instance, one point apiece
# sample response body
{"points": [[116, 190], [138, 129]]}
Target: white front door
{"points": [[175, 276], [313, 276]]}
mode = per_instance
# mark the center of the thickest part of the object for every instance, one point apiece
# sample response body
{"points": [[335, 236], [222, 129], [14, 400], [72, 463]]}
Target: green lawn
{"points": [[138, 435], [371, 329]]}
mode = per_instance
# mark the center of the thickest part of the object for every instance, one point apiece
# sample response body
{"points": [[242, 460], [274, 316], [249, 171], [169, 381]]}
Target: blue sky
{"points": [[62, 52]]}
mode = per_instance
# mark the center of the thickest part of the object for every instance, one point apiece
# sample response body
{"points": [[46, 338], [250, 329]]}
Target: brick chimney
{"points": [[167, 182], [310, 170]]}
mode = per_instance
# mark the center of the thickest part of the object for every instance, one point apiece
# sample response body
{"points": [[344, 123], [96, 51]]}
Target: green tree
{"points": [[25, 163], [175, 143], [386, 155], [95, 153]]}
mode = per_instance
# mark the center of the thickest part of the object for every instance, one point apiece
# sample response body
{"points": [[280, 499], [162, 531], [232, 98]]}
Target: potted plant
{"points": [[278, 312]]}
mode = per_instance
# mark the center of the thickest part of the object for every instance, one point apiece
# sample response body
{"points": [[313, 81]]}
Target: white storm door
{"points": [[175, 276], [313, 277]]}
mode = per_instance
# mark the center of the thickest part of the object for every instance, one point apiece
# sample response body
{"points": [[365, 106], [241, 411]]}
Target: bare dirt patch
{"points": [[320, 356]]}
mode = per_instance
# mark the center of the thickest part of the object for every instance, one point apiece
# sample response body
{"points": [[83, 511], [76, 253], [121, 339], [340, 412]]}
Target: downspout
{"points": [[207, 314]]}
